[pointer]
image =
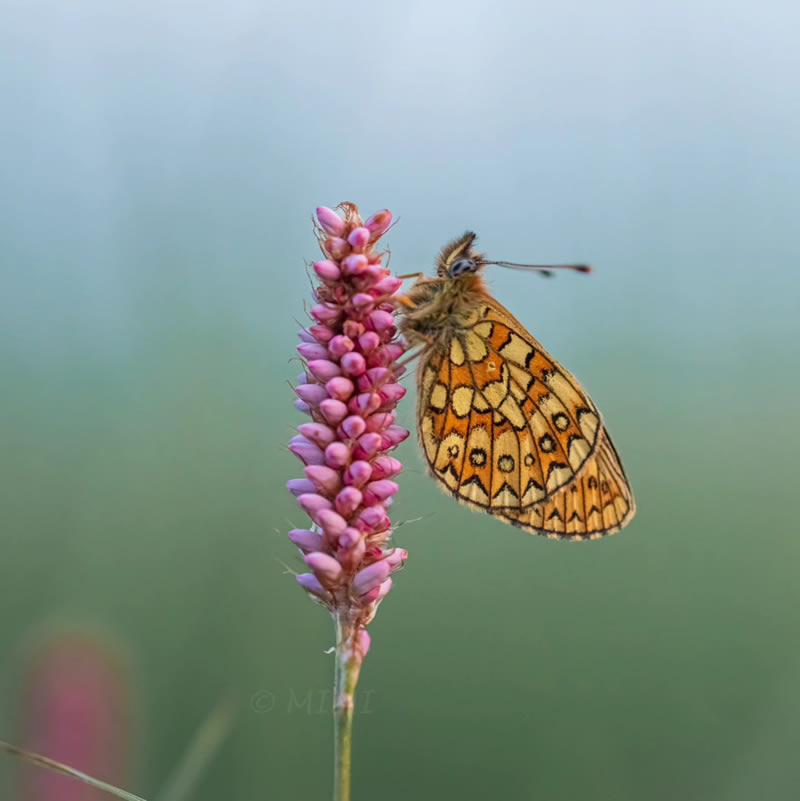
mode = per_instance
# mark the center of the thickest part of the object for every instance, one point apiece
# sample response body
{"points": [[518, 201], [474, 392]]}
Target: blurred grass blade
{"points": [[201, 750], [50, 764]]}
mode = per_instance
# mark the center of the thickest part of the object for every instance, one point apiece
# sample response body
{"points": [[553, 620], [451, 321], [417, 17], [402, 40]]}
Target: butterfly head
{"points": [[459, 258]]}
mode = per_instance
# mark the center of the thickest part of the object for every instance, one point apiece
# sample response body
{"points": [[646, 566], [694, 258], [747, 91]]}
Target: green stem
{"points": [[348, 665]]}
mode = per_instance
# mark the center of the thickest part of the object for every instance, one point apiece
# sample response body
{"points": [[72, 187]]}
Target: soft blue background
{"points": [[159, 163]]}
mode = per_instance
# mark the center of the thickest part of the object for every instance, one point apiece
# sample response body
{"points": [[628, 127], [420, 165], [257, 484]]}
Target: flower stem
{"points": [[349, 655]]}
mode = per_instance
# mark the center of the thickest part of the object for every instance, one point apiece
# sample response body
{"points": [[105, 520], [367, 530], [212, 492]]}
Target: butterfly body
{"points": [[503, 426]]}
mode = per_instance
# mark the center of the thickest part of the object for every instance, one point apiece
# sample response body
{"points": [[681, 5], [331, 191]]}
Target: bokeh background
{"points": [[159, 164]]}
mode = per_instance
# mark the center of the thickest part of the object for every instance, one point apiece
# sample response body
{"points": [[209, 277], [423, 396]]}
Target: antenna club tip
{"points": [[585, 268]]}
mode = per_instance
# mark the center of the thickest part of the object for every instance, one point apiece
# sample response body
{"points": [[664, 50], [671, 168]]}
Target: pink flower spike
{"points": [[354, 265], [318, 433], [349, 388], [340, 345], [353, 427], [327, 270], [312, 350], [305, 450], [347, 501], [325, 479], [331, 222], [299, 486], [310, 583], [379, 223], [334, 411], [369, 341], [358, 474], [340, 388], [353, 364], [358, 238], [370, 577], [305, 539]]}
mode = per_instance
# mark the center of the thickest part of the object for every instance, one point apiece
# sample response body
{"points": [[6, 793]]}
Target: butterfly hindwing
{"points": [[596, 503]]}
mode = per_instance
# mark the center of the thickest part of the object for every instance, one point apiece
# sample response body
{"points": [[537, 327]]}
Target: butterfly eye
{"points": [[460, 266]]}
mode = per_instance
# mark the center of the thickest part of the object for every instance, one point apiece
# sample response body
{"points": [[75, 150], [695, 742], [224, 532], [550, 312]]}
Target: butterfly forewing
{"points": [[503, 425]]}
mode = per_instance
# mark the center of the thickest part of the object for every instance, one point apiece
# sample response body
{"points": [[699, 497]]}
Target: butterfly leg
{"points": [[409, 357], [404, 300]]}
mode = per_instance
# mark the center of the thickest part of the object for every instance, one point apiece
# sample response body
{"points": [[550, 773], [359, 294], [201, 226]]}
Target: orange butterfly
{"points": [[503, 426]]}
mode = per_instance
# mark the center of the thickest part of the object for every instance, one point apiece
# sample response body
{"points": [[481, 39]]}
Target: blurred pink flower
{"points": [[75, 709]]}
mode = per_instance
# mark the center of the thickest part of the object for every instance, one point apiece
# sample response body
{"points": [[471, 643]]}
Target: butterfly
{"points": [[502, 425]]}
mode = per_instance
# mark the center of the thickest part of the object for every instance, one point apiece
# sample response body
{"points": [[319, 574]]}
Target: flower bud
{"points": [[331, 222], [305, 539], [312, 350], [378, 223], [334, 411], [318, 433], [323, 369], [327, 270], [370, 577], [358, 238], [353, 364]]}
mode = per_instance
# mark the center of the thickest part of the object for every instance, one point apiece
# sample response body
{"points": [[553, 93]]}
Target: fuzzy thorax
{"points": [[436, 307]]}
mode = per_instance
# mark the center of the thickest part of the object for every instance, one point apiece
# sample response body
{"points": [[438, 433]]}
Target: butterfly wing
{"points": [[598, 502], [505, 428]]}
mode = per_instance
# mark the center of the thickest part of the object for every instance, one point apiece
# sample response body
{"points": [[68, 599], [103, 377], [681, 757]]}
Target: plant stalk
{"points": [[348, 658]]}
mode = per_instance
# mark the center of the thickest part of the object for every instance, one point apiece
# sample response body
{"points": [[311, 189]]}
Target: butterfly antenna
{"points": [[544, 269]]}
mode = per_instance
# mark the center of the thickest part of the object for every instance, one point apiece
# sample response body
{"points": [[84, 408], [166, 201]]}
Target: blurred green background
{"points": [[159, 163]]}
